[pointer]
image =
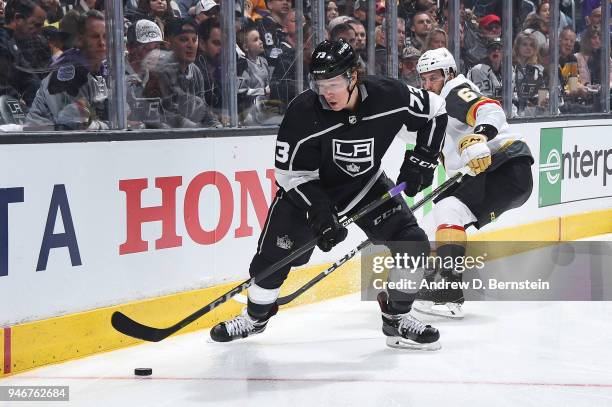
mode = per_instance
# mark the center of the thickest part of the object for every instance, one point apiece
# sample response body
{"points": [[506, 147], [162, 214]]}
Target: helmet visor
{"points": [[331, 85]]}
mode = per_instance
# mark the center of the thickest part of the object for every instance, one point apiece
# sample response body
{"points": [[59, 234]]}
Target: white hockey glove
{"points": [[475, 152]]}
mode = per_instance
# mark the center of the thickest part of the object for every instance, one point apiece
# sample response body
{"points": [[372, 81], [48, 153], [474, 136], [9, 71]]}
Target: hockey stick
{"points": [[128, 326], [290, 297]]}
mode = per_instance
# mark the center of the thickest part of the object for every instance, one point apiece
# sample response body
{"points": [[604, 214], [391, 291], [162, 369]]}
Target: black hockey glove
{"points": [[324, 223], [417, 170]]}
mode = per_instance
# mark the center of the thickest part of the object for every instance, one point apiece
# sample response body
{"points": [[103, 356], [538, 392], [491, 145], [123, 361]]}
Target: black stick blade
{"points": [[129, 327]]}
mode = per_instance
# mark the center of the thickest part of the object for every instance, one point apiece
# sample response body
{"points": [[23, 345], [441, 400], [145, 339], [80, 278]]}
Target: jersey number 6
{"points": [[467, 94], [282, 151]]}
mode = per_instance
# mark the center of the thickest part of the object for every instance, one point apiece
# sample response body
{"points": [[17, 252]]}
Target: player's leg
{"points": [[394, 226], [450, 215], [284, 231], [476, 201]]}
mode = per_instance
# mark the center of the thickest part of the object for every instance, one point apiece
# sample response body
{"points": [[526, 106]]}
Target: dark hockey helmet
{"points": [[332, 58]]}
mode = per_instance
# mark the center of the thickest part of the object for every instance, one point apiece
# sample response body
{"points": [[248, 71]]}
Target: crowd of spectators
{"points": [[54, 74]]}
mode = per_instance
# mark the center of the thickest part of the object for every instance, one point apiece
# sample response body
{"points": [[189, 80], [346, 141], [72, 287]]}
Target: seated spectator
{"points": [[488, 74], [83, 6], [56, 41], [407, 66], [476, 37], [437, 38], [208, 61], [331, 11], [255, 80], [538, 28], [360, 10], [528, 74], [573, 89], [53, 9], [344, 31], [159, 11], [589, 57], [380, 51], [2, 4], [75, 95], [592, 19], [23, 23], [142, 83], [206, 9], [181, 82], [422, 24], [360, 38]]}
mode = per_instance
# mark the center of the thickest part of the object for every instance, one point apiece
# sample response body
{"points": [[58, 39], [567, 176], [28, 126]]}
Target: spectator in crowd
{"points": [[56, 40], [488, 74], [538, 27], [422, 24], [271, 28], [144, 39], [2, 5], [380, 52], [206, 9], [83, 6], [181, 82], [23, 22], [158, 11], [53, 9], [255, 80], [490, 26], [344, 31], [360, 9], [380, 11], [407, 66], [574, 90], [187, 7], [589, 58], [437, 38], [528, 74], [209, 61], [592, 20], [360, 38], [75, 95], [331, 11]]}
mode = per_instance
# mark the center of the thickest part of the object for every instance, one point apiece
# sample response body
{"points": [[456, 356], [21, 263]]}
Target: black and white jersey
{"points": [[323, 155]]}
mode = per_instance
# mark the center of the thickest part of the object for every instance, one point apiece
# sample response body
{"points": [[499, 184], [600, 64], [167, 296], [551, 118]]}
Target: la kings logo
{"points": [[354, 157]]}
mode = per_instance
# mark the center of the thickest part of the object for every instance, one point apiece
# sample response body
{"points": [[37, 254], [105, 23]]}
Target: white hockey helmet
{"points": [[435, 59]]}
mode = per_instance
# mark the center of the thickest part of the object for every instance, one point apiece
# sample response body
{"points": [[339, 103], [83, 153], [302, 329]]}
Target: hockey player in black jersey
{"points": [[477, 135], [328, 156]]}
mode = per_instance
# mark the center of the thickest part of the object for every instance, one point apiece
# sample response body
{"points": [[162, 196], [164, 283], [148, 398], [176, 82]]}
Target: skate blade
{"points": [[449, 310], [398, 342]]}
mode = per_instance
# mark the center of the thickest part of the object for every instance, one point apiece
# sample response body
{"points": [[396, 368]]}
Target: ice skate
{"points": [[404, 331], [447, 302], [241, 326]]}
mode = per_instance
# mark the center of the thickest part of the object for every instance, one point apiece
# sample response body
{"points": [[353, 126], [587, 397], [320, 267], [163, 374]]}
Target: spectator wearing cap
{"points": [[490, 26], [476, 37], [205, 9], [181, 82], [487, 75], [75, 95], [271, 28], [23, 23], [56, 39], [143, 90], [422, 24], [407, 66]]}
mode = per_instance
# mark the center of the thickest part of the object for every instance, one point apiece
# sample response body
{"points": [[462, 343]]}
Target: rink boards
{"points": [[88, 228]]}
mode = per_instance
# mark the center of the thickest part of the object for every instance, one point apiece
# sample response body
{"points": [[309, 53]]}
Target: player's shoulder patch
{"points": [[462, 102], [67, 78]]}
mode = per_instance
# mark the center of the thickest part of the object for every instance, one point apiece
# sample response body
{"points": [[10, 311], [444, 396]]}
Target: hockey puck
{"points": [[143, 371]]}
